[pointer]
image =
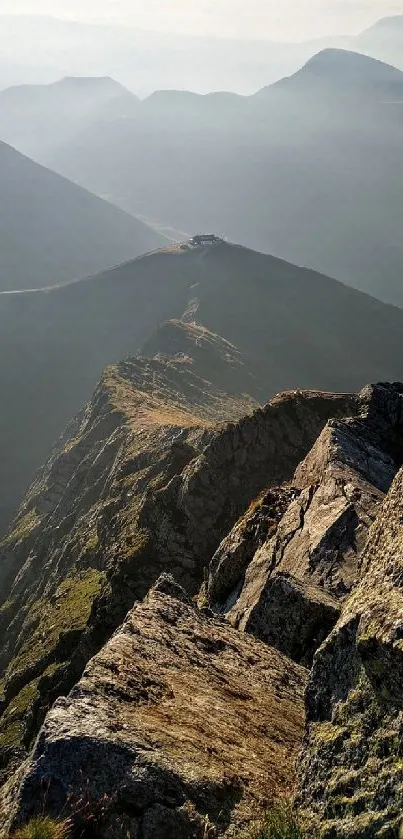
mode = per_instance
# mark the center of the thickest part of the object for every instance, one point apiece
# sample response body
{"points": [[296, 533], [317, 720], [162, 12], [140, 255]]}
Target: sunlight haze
{"points": [[291, 20]]}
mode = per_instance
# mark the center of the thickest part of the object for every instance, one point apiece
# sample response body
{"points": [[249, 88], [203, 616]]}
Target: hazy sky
{"points": [[277, 19]]}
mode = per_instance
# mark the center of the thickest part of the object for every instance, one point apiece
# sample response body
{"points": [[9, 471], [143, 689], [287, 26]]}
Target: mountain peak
{"points": [[394, 22], [90, 84], [341, 70], [334, 61]]}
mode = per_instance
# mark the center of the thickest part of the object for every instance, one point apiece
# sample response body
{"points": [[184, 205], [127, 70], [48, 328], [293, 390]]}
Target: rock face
{"points": [[286, 568], [181, 725], [187, 718], [351, 769], [146, 480]]}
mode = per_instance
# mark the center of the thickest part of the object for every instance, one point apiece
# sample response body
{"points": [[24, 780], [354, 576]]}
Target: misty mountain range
{"points": [[43, 49], [306, 169], [315, 157]]}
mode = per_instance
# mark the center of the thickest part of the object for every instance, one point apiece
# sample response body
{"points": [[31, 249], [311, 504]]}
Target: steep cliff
{"points": [[285, 570], [191, 723], [78, 533], [351, 769], [145, 480]]}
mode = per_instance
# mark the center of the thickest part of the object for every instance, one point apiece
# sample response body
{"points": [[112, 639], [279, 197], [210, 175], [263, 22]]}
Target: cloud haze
{"points": [[288, 20]]}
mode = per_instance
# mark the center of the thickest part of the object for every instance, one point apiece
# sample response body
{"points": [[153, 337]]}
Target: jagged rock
{"points": [[144, 482], [288, 590], [179, 723], [228, 566], [351, 767], [292, 616]]}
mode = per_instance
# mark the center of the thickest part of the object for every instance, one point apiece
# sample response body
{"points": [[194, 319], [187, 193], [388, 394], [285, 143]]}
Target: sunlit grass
{"points": [[43, 827]]}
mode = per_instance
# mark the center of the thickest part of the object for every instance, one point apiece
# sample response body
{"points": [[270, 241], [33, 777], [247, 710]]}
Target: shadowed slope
{"points": [[52, 230]]}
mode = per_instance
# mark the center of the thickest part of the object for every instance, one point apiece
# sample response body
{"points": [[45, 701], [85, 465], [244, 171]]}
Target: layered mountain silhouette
{"points": [[52, 230], [42, 49], [263, 325], [45, 48], [315, 157]]}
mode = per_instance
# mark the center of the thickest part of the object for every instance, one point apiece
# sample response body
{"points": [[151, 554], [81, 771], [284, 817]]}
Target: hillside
{"points": [[52, 230], [316, 158], [289, 328]]}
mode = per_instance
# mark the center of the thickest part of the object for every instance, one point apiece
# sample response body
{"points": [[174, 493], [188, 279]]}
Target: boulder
{"points": [[292, 616], [178, 725]]}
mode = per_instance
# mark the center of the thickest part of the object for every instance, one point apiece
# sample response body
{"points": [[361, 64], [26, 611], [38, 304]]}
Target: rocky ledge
{"points": [[178, 726]]}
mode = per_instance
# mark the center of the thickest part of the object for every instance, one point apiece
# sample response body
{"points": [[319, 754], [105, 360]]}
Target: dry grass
{"points": [[280, 822], [43, 827]]}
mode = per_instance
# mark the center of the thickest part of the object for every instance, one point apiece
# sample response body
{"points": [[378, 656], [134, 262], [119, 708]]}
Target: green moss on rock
{"points": [[48, 619], [12, 728], [22, 528]]}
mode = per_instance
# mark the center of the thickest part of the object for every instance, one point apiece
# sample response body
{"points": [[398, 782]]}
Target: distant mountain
{"points": [[41, 49], [340, 71], [384, 40], [246, 323], [52, 230], [36, 117], [308, 168]]}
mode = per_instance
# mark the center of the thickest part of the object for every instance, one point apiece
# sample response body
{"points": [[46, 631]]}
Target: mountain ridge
{"points": [[115, 521], [302, 329]]}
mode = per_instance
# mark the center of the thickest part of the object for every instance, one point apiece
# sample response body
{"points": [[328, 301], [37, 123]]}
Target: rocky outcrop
{"points": [[146, 480], [293, 616], [180, 727], [287, 588], [236, 551], [191, 722], [190, 343], [351, 768], [79, 523]]}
